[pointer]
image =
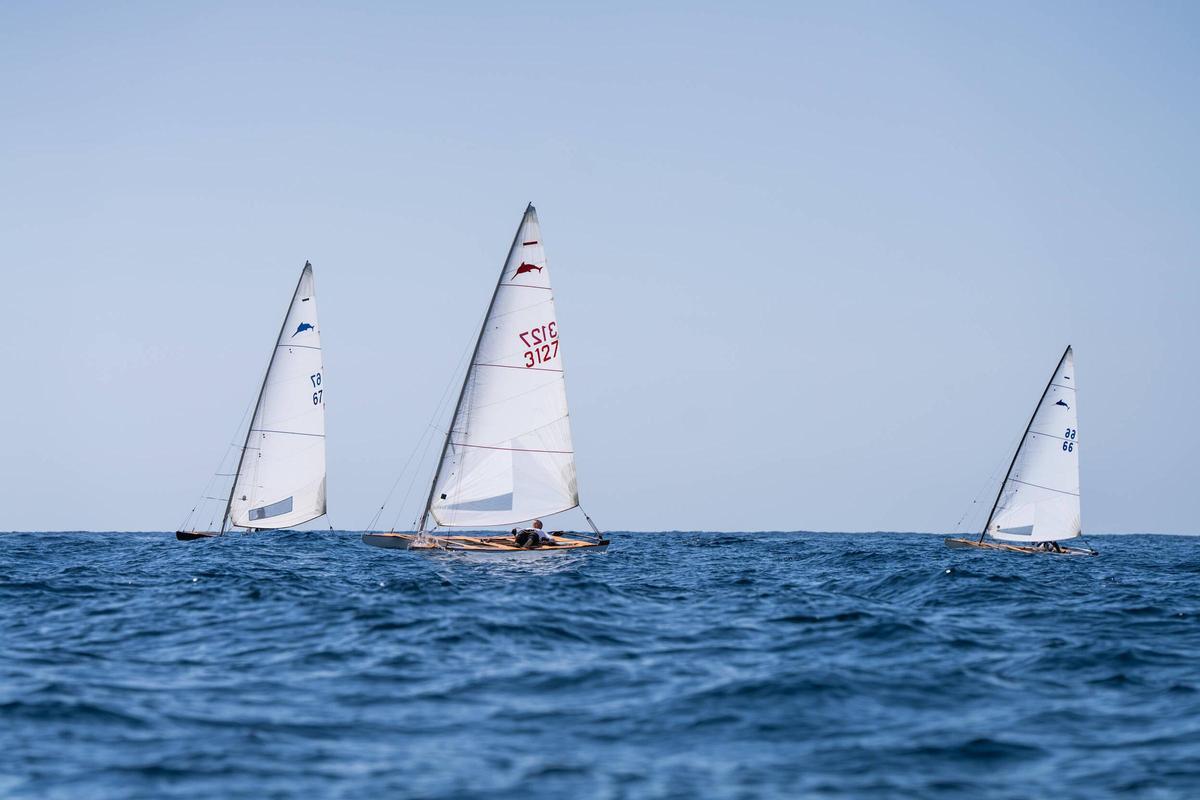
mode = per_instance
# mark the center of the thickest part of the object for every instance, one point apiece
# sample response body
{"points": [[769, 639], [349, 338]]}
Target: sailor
{"points": [[534, 537]]}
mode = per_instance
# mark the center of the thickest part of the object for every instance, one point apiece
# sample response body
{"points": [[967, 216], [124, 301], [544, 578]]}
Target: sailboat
{"points": [[1038, 503], [280, 477], [507, 457]]}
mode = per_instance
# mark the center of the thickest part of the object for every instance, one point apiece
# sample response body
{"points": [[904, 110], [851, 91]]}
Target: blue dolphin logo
{"points": [[1062, 403], [304, 326]]}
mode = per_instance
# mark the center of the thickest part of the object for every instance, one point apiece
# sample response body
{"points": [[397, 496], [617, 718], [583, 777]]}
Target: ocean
{"points": [[675, 665]]}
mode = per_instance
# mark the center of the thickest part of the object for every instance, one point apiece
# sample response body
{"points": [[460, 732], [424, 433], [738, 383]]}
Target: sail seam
{"points": [[527, 286], [291, 433], [511, 519], [510, 366], [1052, 436], [1047, 488], [513, 449], [1062, 386]]}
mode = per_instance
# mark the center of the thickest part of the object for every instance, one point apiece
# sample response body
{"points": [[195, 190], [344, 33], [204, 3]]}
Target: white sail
{"points": [[1039, 501], [508, 457], [281, 477]]}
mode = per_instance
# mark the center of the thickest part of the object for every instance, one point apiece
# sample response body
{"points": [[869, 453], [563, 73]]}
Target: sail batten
{"points": [[1039, 498], [280, 480], [508, 455]]}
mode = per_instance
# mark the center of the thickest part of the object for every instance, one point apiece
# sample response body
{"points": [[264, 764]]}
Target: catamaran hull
{"points": [[1016, 548], [485, 546]]}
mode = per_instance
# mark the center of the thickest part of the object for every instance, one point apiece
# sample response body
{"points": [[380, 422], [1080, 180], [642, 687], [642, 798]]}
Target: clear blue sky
{"points": [[814, 263]]}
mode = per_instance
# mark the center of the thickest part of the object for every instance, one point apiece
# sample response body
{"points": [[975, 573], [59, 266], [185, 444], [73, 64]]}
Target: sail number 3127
{"points": [[542, 342]]}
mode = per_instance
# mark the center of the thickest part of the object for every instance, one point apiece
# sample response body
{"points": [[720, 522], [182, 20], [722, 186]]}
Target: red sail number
{"points": [[542, 342]]}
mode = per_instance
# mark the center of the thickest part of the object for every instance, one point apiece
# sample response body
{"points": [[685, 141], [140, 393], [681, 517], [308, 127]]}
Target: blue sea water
{"points": [[680, 665]]}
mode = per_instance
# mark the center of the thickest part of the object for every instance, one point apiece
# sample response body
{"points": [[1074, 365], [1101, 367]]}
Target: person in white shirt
{"points": [[534, 537]]}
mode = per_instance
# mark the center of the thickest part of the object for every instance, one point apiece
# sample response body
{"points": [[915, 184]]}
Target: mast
{"points": [[257, 403], [437, 473], [1024, 436]]}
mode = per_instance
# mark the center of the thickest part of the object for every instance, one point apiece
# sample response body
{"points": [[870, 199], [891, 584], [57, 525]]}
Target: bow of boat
{"points": [[188, 536]]}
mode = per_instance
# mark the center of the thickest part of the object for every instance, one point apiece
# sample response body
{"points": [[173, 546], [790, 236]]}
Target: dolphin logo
{"points": [[1062, 403], [521, 270], [304, 326]]}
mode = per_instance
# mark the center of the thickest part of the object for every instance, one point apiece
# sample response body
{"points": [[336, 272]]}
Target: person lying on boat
{"points": [[1053, 547], [533, 537]]}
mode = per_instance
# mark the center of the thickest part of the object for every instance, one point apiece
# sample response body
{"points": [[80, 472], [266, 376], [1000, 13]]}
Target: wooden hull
{"points": [[1016, 548], [187, 536], [490, 546]]}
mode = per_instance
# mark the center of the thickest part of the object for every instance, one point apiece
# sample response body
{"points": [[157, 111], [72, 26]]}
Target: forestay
{"points": [[280, 480], [1039, 501], [508, 456]]}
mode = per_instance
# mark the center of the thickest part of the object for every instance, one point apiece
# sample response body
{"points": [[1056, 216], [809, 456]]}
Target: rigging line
{"points": [[412, 481], [421, 445], [991, 478], [399, 476], [217, 473], [187, 518], [595, 530]]}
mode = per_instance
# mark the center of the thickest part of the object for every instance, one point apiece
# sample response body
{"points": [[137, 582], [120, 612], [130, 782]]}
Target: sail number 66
{"points": [[1068, 443]]}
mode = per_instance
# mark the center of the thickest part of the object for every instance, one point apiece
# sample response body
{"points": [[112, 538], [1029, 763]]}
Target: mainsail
{"points": [[1039, 499], [280, 479], [508, 455]]}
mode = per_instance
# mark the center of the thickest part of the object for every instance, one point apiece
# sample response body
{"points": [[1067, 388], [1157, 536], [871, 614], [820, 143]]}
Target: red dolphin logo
{"points": [[521, 270]]}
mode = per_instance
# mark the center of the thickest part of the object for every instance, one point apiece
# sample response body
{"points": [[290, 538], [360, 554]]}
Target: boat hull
{"points": [[1016, 548], [488, 546], [187, 536]]}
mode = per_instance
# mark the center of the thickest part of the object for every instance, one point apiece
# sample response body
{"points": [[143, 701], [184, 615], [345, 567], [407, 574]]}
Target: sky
{"points": [[813, 263]]}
